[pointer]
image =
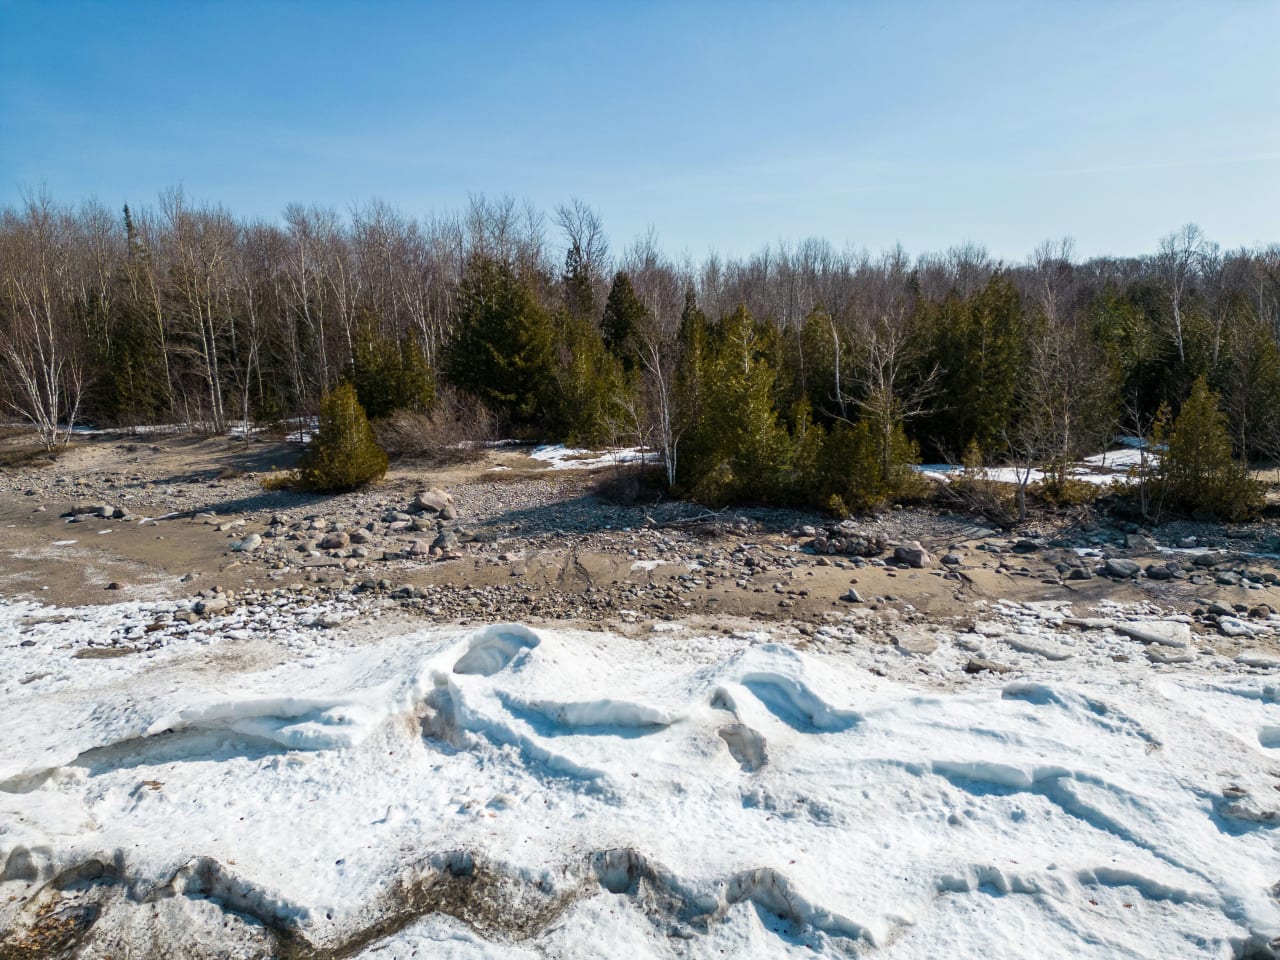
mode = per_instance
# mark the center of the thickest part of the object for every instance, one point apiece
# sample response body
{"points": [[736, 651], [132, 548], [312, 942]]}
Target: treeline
{"points": [[799, 373]]}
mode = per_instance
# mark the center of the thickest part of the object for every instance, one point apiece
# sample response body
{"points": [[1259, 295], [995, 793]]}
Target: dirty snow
{"points": [[682, 795], [559, 457]]}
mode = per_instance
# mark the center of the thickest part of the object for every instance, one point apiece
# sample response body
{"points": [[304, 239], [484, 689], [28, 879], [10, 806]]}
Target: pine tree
{"points": [[344, 454]]}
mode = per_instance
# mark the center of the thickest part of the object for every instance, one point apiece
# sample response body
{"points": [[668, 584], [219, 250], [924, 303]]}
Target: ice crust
{"points": [[680, 795]]}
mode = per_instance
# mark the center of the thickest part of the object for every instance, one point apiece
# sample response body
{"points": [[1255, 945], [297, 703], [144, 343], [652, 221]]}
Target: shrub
{"points": [[858, 469], [344, 454], [452, 432]]}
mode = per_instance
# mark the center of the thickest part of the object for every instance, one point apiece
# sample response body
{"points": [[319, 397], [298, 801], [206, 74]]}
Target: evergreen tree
{"points": [[503, 344], [979, 345], [387, 374], [579, 297], [592, 385], [622, 320], [344, 454], [736, 449], [1198, 469]]}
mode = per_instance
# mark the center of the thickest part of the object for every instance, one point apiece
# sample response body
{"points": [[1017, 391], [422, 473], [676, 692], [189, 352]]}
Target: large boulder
{"points": [[913, 555], [1121, 569], [337, 540], [431, 501]]}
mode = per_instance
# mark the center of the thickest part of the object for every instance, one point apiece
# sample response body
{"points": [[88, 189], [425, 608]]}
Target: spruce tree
{"points": [[622, 320], [502, 349], [579, 297]]}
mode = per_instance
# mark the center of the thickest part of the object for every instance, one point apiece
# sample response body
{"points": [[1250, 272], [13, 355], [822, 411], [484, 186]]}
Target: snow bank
{"points": [[511, 792]]}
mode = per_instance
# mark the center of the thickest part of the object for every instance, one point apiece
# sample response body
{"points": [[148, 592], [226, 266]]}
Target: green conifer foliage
{"points": [[623, 317], [980, 345], [503, 348], [737, 450], [1198, 468], [344, 454], [389, 374], [593, 387], [579, 297]]}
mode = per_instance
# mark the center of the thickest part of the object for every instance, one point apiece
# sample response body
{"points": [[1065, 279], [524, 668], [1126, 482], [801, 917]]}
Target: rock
{"points": [[447, 540], [1079, 573], [913, 554], [1221, 610], [115, 585], [1141, 543], [1227, 579], [251, 542], [952, 560], [1157, 571], [1261, 611], [335, 541], [1026, 546], [105, 511], [431, 501], [211, 606], [449, 512], [1204, 560], [982, 664], [1165, 633], [1121, 569], [851, 596], [419, 548], [361, 536]]}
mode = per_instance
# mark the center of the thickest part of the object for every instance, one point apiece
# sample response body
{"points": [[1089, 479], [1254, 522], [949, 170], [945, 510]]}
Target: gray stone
{"points": [[913, 555], [338, 540], [982, 664], [431, 501], [1123, 569], [248, 544]]}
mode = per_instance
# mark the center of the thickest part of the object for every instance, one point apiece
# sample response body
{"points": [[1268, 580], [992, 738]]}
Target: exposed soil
{"points": [[520, 541]]}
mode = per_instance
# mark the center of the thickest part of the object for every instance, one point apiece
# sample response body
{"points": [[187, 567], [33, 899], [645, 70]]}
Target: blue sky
{"points": [[723, 125]]}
